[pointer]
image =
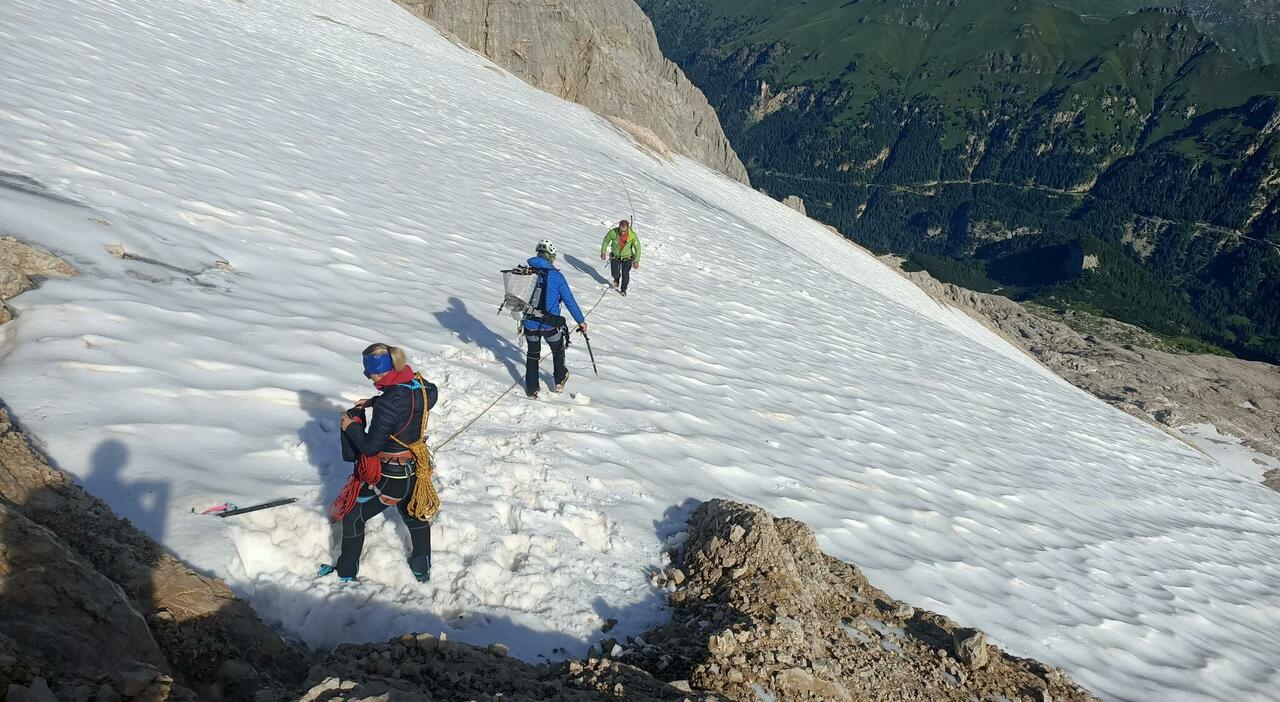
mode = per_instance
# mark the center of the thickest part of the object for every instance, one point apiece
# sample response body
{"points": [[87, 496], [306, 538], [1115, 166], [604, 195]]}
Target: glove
{"points": [[635, 264], [603, 257], [583, 327]]}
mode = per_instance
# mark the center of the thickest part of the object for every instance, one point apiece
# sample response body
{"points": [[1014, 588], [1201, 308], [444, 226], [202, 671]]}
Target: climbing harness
{"points": [[424, 502]]}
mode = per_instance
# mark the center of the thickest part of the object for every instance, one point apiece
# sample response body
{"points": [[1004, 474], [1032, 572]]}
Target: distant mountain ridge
{"points": [[1127, 165], [1249, 27]]}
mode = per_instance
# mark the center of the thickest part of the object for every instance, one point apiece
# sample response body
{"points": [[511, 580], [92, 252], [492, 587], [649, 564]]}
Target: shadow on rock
{"points": [[101, 610]]}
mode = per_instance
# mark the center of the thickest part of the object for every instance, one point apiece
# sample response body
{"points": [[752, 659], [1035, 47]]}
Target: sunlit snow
{"points": [[367, 179]]}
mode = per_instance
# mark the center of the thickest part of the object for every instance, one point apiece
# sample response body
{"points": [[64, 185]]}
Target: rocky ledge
{"points": [[758, 612], [94, 610], [20, 264]]}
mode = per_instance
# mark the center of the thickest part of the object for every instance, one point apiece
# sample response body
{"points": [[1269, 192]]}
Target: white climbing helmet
{"points": [[546, 249]]}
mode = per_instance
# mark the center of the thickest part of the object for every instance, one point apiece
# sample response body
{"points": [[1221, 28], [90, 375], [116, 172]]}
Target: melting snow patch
{"points": [[1230, 452], [367, 179]]}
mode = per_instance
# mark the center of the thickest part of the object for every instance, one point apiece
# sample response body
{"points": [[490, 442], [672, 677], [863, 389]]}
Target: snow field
{"points": [[367, 179]]}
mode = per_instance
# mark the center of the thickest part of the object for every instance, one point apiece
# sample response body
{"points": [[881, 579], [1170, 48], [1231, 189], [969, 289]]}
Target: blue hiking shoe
{"points": [[423, 575], [326, 569]]}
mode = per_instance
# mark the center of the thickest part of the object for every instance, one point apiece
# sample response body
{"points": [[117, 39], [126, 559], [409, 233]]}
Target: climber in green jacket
{"points": [[621, 247]]}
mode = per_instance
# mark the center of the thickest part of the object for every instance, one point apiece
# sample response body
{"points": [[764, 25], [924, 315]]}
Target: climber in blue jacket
{"points": [[545, 321]]}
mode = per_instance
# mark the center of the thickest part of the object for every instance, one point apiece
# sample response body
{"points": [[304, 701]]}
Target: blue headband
{"points": [[381, 363]]}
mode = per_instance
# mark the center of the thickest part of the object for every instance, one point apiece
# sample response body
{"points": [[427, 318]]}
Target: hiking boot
{"points": [[614, 285], [532, 395], [422, 577], [560, 385], [326, 569], [622, 292]]}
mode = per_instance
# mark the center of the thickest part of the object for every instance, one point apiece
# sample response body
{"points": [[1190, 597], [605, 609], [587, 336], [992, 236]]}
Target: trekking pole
{"points": [[589, 351], [630, 203]]}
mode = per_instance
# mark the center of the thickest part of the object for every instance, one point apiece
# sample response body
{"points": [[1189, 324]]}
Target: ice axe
{"points": [[589, 351]]}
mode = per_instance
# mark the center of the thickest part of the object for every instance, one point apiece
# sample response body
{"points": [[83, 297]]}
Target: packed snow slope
{"points": [[367, 179]]}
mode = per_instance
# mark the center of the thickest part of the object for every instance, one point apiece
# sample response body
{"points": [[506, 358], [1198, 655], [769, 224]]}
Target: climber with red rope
{"points": [[392, 464]]}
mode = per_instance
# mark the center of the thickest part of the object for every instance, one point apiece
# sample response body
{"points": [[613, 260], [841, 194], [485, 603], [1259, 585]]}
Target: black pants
{"points": [[397, 482], [621, 269], [534, 354]]}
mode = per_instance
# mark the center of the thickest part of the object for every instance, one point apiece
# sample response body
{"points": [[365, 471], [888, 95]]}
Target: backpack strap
{"points": [[412, 402], [539, 306]]}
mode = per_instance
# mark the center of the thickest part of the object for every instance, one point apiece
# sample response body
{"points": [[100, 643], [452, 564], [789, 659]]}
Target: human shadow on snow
{"points": [[471, 330], [143, 502], [583, 267], [225, 653], [320, 437]]}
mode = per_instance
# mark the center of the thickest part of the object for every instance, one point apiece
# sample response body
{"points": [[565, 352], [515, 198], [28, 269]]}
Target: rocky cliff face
{"points": [[602, 54]]}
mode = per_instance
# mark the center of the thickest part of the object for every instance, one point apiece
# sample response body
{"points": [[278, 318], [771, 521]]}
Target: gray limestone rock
{"points": [[602, 54], [19, 263], [57, 607]]}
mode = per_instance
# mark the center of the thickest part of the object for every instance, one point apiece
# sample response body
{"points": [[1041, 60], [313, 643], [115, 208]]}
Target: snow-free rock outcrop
{"points": [[91, 606], [760, 609], [57, 607], [424, 668], [759, 612], [602, 54], [19, 264]]}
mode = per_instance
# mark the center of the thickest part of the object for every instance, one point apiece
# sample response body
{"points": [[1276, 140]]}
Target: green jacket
{"points": [[631, 250]]}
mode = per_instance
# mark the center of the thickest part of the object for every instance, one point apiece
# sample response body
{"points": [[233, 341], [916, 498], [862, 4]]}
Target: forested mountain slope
{"points": [[1126, 165], [1249, 27]]}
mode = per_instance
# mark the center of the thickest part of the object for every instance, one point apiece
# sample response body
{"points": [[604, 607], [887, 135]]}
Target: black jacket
{"points": [[396, 412]]}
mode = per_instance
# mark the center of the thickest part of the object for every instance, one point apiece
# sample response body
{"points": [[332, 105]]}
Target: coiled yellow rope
{"points": [[424, 503]]}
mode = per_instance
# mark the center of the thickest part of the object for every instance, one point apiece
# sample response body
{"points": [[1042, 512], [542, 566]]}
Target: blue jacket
{"points": [[557, 291]]}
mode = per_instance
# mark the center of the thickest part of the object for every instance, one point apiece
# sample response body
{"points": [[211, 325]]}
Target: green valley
{"points": [[1117, 162]]}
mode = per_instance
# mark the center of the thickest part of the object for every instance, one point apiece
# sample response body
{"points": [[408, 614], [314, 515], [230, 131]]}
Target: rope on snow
{"points": [[440, 447]]}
